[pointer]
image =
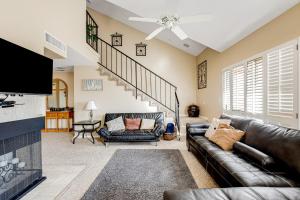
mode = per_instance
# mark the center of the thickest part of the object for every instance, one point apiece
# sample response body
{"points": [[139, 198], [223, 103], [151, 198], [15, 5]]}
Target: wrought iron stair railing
{"points": [[137, 76]]}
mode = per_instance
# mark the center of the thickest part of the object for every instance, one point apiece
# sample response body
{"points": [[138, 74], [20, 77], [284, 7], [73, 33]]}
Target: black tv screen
{"points": [[24, 71]]}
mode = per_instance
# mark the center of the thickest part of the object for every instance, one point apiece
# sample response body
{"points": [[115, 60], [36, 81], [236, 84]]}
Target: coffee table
{"points": [[87, 126]]}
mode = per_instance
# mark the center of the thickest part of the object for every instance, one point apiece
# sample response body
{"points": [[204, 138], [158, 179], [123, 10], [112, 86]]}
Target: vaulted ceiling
{"points": [[232, 20]]}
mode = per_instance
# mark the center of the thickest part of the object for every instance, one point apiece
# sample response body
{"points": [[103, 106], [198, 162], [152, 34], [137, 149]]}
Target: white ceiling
{"points": [[232, 20]]}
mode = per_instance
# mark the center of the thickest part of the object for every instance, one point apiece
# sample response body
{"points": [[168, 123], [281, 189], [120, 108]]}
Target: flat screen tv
{"points": [[24, 71]]}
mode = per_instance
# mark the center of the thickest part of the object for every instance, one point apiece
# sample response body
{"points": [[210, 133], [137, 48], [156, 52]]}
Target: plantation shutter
{"points": [[238, 88], [281, 66], [227, 90], [254, 86]]}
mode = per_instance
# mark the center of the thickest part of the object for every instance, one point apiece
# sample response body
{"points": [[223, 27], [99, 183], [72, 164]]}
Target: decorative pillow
{"points": [[132, 124], [116, 124], [214, 125], [225, 138], [224, 125], [148, 124]]}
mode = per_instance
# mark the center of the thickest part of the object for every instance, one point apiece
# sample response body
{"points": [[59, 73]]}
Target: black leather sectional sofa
{"points": [[133, 135], [268, 157]]}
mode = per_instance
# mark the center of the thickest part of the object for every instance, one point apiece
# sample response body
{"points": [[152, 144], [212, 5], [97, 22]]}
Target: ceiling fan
{"points": [[172, 23]]}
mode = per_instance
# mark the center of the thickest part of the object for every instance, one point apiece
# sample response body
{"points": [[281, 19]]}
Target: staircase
{"points": [[132, 75]]}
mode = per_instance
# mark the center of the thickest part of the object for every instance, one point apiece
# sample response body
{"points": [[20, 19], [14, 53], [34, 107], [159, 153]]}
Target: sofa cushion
{"points": [[148, 124], [238, 193], [158, 116], [240, 123], [116, 124], [281, 143], [131, 132], [225, 138], [132, 124], [261, 158]]}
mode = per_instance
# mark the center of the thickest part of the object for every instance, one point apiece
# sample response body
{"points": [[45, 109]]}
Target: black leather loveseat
{"points": [[265, 162], [133, 135]]}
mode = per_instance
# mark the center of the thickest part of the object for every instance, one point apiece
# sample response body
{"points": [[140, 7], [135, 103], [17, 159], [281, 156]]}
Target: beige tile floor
{"points": [[71, 168]]}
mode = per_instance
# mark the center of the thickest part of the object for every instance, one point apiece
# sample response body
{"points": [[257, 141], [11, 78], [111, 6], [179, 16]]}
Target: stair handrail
{"points": [[136, 62]]}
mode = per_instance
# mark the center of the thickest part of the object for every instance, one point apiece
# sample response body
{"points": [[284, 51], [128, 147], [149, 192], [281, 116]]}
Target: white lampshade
{"points": [[91, 106]]}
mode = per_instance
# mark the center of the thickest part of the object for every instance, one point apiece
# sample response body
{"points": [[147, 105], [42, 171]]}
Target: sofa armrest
{"points": [[261, 158], [196, 131], [158, 130], [103, 132], [196, 126]]}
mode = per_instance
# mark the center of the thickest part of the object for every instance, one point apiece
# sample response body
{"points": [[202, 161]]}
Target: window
{"points": [[238, 76], [254, 85], [281, 87], [264, 86], [226, 90]]}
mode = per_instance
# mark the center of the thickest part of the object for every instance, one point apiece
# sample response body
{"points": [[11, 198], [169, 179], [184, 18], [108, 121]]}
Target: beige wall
{"points": [[171, 63], [113, 98], [24, 23], [68, 77], [282, 29]]}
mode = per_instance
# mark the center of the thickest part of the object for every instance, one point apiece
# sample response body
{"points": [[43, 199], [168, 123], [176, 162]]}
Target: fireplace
{"points": [[20, 157]]}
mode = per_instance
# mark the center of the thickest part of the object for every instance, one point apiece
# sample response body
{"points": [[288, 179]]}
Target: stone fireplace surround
{"points": [[20, 157]]}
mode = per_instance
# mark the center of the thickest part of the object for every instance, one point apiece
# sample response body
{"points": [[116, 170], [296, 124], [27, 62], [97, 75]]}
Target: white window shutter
{"points": [[238, 88], [254, 86], [282, 92], [227, 90]]}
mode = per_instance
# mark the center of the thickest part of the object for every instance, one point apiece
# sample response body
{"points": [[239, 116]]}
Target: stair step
{"points": [[140, 95]]}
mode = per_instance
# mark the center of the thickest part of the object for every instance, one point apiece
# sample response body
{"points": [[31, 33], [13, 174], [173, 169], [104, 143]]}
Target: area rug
{"points": [[141, 174]]}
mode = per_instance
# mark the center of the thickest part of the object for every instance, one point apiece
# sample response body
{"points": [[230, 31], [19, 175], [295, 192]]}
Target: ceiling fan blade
{"points": [[143, 19], [179, 32], [195, 19], [155, 32]]}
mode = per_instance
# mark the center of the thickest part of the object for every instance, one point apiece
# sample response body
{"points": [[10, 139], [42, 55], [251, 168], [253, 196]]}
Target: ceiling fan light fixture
{"points": [[172, 23], [169, 21]]}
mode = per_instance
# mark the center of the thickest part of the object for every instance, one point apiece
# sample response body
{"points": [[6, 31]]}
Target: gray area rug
{"points": [[141, 174]]}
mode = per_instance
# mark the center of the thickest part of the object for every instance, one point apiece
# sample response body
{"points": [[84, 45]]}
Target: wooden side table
{"points": [[58, 117], [86, 127]]}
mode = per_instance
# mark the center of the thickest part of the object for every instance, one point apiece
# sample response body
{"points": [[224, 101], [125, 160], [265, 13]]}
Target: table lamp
{"points": [[91, 106]]}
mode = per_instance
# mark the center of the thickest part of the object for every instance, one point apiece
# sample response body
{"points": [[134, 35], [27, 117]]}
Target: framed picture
{"points": [[116, 39], [202, 75], [92, 85], [141, 49]]}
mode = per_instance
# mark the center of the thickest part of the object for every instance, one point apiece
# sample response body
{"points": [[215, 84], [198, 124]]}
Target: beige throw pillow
{"points": [[116, 124], [148, 124], [225, 138], [214, 125]]}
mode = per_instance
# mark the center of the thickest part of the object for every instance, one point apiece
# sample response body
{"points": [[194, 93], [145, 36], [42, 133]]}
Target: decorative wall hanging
{"points": [[91, 32], [116, 39], [141, 49], [202, 75], [92, 85]]}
